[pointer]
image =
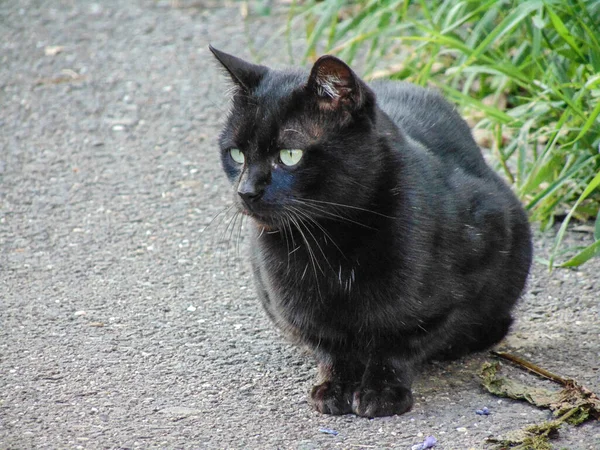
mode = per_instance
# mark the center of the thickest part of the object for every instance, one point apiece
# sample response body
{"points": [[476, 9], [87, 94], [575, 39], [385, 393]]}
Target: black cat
{"points": [[380, 237]]}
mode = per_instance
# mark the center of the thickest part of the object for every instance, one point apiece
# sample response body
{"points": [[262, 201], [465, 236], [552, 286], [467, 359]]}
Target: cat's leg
{"points": [[471, 338], [385, 389], [339, 377]]}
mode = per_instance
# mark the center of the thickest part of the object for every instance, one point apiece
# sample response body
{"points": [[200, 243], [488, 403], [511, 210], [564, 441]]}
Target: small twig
{"points": [[568, 414], [533, 368]]}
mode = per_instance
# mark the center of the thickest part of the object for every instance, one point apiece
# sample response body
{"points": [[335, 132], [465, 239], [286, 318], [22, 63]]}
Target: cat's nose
{"points": [[252, 184], [250, 194]]}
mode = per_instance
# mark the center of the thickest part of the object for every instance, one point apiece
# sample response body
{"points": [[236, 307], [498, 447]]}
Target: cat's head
{"points": [[299, 144]]}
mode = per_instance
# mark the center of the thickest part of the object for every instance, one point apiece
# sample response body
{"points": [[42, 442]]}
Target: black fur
{"points": [[390, 243]]}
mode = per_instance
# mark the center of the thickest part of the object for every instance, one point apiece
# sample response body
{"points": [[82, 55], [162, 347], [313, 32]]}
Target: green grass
{"points": [[526, 73]]}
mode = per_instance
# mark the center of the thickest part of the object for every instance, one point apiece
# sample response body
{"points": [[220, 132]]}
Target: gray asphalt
{"points": [[126, 324]]}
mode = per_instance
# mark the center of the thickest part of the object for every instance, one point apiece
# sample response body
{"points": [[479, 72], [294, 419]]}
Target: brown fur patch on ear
{"points": [[331, 104]]}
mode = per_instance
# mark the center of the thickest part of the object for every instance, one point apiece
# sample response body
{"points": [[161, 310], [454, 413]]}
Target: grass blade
{"points": [[561, 29], [584, 255], [563, 228]]}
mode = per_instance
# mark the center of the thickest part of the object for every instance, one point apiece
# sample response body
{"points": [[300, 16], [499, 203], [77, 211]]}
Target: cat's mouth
{"points": [[263, 222]]}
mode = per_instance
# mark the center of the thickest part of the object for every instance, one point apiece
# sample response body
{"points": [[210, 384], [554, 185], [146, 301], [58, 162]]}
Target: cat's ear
{"points": [[246, 75], [335, 84]]}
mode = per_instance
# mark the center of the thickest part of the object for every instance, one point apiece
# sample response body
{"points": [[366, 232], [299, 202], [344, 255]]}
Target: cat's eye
{"points": [[237, 155], [290, 157]]}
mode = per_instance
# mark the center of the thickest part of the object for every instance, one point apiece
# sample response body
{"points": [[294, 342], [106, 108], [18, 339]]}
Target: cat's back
{"points": [[425, 116]]}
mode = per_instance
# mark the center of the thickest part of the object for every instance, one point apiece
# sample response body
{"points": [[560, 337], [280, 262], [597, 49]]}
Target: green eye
{"points": [[237, 155], [290, 157]]}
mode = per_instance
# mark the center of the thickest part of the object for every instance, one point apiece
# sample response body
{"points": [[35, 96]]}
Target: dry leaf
{"points": [[574, 404], [573, 397]]}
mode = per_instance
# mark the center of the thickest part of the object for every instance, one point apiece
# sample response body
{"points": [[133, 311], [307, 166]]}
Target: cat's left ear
{"points": [[246, 75], [336, 84]]}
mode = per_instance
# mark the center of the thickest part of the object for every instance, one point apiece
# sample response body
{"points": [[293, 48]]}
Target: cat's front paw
{"points": [[385, 401], [332, 398]]}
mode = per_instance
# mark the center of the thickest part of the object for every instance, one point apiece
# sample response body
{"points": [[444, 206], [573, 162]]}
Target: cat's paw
{"points": [[332, 398], [385, 401]]}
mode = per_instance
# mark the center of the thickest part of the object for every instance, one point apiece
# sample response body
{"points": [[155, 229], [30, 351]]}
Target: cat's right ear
{"points": [[246, 75]]}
